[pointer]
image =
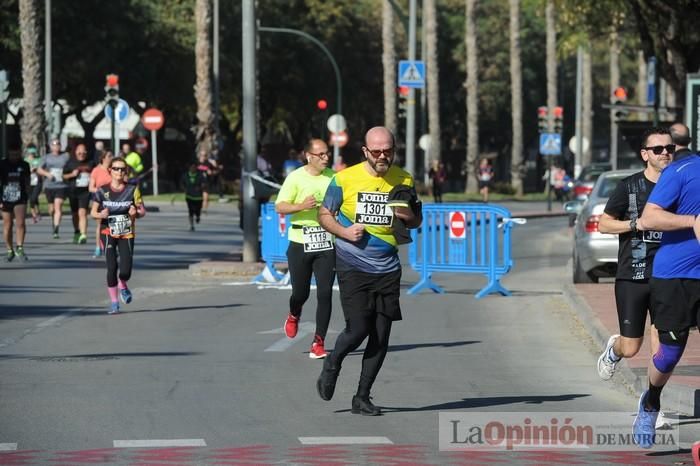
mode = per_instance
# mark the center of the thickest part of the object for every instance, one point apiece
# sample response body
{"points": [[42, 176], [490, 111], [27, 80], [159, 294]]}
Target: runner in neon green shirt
{"points": [[310, 246]]}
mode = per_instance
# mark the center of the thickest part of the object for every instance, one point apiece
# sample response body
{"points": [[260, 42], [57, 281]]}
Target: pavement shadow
{"points": [[24, 311], [98, 356], [184, 308], [468, 403], [395, 348]]}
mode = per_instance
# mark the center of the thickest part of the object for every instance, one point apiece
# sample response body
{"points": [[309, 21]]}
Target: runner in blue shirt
{"points": [[673, 207]]}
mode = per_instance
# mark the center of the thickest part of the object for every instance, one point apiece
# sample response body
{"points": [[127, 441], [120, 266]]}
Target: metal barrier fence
{"points": [[463, 238]]}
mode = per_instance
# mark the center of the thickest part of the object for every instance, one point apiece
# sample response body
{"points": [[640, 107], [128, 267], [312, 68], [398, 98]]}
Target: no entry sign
{"points": [[458, 227], [152, 119]]}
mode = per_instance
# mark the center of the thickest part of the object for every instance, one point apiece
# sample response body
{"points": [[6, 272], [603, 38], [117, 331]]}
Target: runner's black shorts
{"points": [[79, 199], [364, 294], [633, 299], [10, 206], [676, 303], [55, 193]]}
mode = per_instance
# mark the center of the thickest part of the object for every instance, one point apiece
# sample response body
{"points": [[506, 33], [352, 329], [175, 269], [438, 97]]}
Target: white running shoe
{"points": [[606, 367]]}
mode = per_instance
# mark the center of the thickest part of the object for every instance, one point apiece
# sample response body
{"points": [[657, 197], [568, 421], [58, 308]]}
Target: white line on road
{"points": [[345, 441], [305, 328], [52, 322], [8, 446], [185, 442]]}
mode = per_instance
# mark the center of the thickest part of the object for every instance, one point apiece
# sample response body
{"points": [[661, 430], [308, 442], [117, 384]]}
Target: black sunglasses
{"points": [[118, 169], [658, 150], [378, 152]]}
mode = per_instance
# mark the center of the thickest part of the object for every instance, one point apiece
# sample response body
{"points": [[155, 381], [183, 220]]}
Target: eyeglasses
{"points": [[81, 153], [658, 150], [118, 169], [321, 154], [377, 152]]}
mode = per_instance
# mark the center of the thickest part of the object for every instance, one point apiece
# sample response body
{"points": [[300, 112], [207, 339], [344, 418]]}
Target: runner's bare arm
{"points": [[655, 217], [327, 220]]}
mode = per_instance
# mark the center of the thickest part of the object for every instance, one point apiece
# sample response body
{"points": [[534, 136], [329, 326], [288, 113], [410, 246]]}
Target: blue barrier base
{"points": [[425, 282], [268, 275], [493, 286]]}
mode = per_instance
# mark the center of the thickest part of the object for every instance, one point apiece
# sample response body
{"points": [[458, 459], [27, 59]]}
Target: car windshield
{"points": [[592, 173], [608, 185]]}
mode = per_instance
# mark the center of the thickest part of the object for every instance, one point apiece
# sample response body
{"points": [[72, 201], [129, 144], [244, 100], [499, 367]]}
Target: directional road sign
{"points": [[122, 111], [550, 144], [412, 73]]}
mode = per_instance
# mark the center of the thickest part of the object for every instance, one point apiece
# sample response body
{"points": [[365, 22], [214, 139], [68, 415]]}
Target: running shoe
{"points": [[76, 238], [10, 255], [317, 351], [98, 251], [19, 252], [114, 309], [125, 295], [325, 385], [644, 427], [291, 326], [362, 405], [606, 366], [55, 235], [82, 239]]}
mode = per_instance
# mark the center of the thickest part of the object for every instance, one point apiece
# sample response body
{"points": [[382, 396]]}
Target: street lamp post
{"points": [[338, 80]]}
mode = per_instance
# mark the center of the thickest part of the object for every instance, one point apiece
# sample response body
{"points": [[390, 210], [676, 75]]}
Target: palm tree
{"points": [[587, 105], [32, 123], [389, 65], [551, 63], [472, 88], [206, 128], [516, 98], [433, 77]]}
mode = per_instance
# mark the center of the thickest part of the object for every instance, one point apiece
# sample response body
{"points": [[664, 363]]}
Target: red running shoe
{"points": [[291, 326], [317, 350]]}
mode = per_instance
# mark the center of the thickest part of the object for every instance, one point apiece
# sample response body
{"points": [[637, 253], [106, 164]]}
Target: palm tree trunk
{"points": [[32, 124], [587, 105], [206, 131], [551, 63], [516, 99], [389, 65], [472, 87], [433, 77]]}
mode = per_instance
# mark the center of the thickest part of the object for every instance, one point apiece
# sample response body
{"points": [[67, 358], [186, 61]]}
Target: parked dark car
{"points": [[587, 178]]}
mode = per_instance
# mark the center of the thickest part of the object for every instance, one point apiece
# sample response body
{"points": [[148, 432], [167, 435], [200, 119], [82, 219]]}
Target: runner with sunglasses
{"points": [[310, 248], [638, 246], [117, 206]]}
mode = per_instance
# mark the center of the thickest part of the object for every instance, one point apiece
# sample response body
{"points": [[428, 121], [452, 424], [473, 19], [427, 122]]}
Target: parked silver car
{"points": [[595, 253]]}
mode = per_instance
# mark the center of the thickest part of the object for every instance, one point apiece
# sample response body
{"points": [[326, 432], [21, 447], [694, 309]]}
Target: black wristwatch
{"points": [[633, 225]]}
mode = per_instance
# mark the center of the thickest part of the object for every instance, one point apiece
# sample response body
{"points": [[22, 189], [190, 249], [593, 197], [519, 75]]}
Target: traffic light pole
{"points": [[410, 162], [115, 149]]}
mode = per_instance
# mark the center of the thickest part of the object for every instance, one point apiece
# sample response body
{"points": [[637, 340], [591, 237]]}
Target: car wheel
{"points": [[580, 275], [572, 220]]}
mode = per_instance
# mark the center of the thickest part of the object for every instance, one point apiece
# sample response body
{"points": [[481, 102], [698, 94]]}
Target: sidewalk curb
{"points": [[681, 397]]}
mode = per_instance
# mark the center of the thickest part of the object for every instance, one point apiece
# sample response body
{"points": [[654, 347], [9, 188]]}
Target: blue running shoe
{"points": [[98, 252], [644, 427], [114, 309], [125, 295]]}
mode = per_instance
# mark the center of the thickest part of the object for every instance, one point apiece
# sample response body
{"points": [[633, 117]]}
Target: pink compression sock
{"points": [[122, 285], [112, 290]]}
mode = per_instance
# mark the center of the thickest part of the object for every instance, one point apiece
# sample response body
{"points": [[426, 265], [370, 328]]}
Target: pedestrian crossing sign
{"points": [[412, 73], [550, 144]]}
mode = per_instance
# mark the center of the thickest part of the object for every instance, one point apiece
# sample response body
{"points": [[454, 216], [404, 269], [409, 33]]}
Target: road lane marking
{"points": [[345, 441], [8, 446], [185, 442], [283, 344], [52, 322]]}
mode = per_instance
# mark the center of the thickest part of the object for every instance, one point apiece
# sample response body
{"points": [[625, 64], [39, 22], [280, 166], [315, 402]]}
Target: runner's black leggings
{"points": [[121, 249], [378, 327], [301, 266]]}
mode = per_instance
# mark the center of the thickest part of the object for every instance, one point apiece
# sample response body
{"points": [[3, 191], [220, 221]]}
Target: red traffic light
{"points": [[322, 104], [620, 93], [558, 112], [112, 80], [404, 90], [542, 112]]}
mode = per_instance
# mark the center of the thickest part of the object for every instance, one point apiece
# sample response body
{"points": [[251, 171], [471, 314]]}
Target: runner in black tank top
{"points": [[117, 206]]}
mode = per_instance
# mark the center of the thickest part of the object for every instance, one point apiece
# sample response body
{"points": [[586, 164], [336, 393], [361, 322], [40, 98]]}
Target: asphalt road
{"points": [[198, 371]]}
